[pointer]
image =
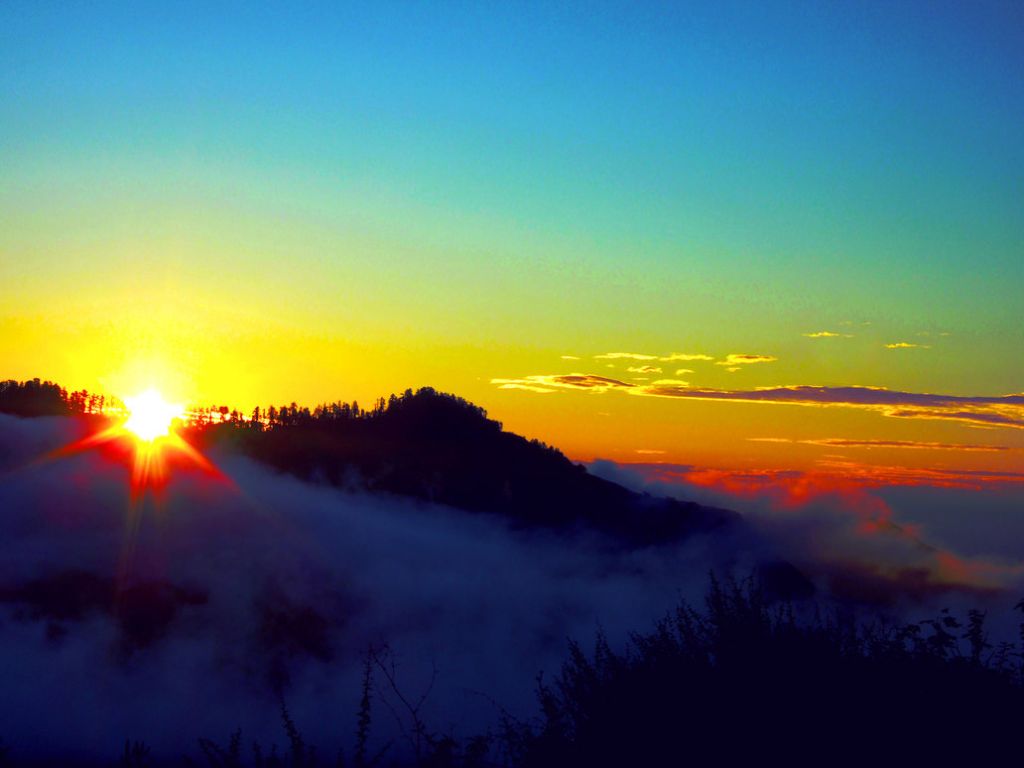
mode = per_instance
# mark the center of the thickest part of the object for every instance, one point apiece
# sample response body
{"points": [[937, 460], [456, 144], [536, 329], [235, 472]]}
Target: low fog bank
{"points": [[190, 614], [905, 551]]}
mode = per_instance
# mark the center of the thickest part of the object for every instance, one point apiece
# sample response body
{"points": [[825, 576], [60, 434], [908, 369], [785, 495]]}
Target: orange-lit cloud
{"points": [[793, 488], [1005, 411], [873, 475], [736, 359], [834, 523], [998, 411], [840, 442]]}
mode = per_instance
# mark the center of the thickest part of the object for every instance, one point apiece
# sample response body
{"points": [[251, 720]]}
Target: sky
{"points": [[259, 205]]}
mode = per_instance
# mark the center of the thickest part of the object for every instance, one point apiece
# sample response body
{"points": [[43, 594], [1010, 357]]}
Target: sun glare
{"points": [[150, 416]]}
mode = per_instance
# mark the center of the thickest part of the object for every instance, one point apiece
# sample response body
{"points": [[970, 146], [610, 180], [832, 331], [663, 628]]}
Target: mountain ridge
{"points": [[426, 445], [437, 447]]}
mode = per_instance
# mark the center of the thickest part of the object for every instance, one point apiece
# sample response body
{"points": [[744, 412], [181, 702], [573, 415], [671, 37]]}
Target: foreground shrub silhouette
{"points": [[298, 755], [743, 681], [135, 755]]}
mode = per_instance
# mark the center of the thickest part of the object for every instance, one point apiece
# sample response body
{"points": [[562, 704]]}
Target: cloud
{"points": [[877, 476], [670, 383], [649, 452], [624, 356], [906, 345], [846, 526], [841, 442], [842, 472], [583, 381], [673, 357], [569, 357], [229, 592], [644, 369], [521, 384], [993, 411], [240, 589], [828, 335], [910, 444], [681, 371], [736, 359], [975, 417], [1000, 411], [684, 357]]}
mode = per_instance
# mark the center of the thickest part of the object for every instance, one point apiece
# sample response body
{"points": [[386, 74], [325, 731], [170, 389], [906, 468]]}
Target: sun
{"points": [[150, 416]]}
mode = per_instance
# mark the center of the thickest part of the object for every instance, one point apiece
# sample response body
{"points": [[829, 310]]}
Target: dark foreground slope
{"points": [[440, 448]]}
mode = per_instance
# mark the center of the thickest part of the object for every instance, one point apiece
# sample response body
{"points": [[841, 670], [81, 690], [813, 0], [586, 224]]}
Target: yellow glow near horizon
{"points": [[150, 416]]}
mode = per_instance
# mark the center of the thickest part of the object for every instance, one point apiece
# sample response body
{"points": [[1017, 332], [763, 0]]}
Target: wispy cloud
{"points": [[684, 357], [738, 359], [842, 474], [828, 335], [569, 357], [924, 445], [842, 442], [582, 381], [997, 411], [670, 358], [1006, 411], [521, 384], [644, 369], [906, 345], [624, 356]]}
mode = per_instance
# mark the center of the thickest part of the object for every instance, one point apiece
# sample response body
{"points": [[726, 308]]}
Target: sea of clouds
{"points": [[191, 613], [194, 611]]}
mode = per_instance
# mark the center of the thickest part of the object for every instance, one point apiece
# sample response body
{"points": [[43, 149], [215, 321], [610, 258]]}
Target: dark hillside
{"points": [[440, 448]]}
